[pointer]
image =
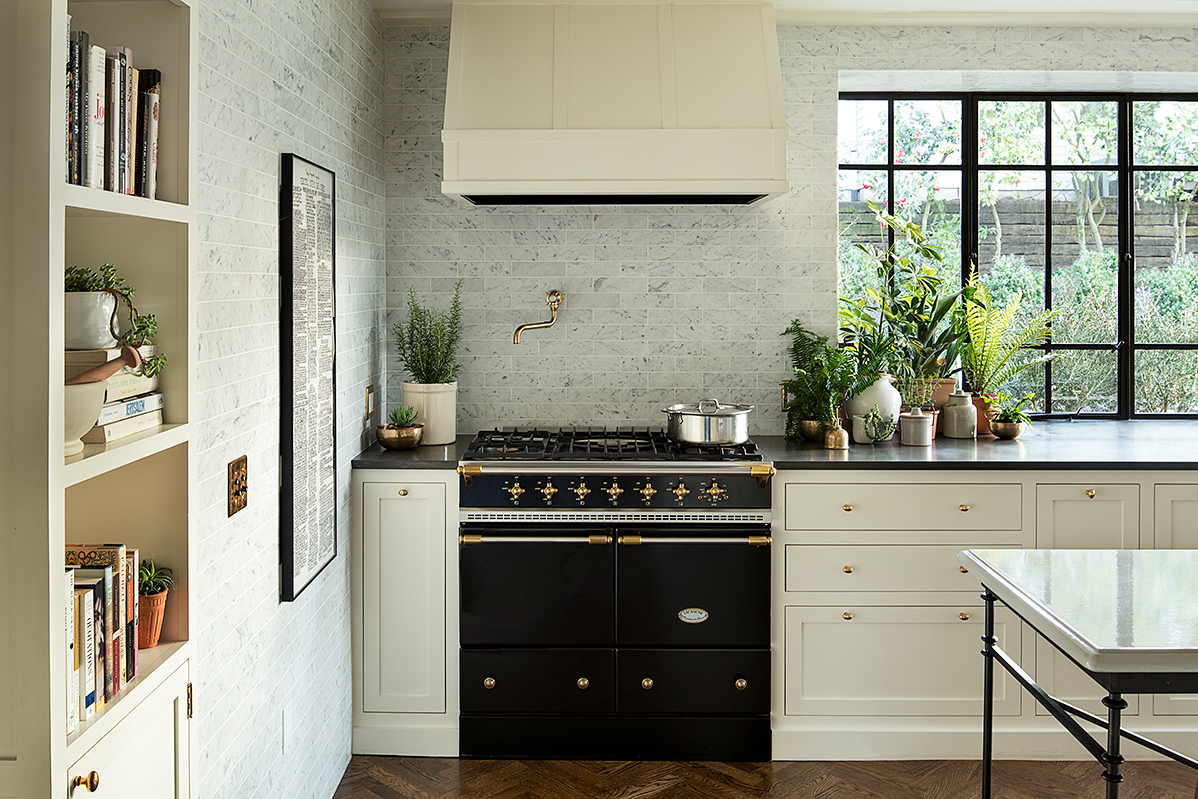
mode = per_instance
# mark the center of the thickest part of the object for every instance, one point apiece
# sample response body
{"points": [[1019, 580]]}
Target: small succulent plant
{"points": [[153, 579], [402, 416]]}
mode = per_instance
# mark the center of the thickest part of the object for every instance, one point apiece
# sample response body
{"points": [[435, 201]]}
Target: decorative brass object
{"points": [[630, 540], [964, 570], [648, 491], [399, 437], [964, 508], [515, 490], [848, 616], [403, 492], [581, 492], [715, 493], [599, 539], [470, 538], [554, 298], [468, 472], [614, 491], [760, 540], [847, 569], [836, 437], [1090, 493], [680, 491], [548, 491], [91, 782], [848, 508], [963, 616], [584, 683], [741, 683], [647, 683], [489, 683]]}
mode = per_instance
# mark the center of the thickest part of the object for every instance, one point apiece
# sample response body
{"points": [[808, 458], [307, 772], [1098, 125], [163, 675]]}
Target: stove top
{"points": [[598, 444]]}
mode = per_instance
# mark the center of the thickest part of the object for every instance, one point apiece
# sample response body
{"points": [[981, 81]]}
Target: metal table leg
{"points": [[1115, 704], [989, 641]]}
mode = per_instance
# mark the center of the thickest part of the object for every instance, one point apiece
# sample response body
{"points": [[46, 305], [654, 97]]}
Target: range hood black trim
{"points": [[612, 199]]}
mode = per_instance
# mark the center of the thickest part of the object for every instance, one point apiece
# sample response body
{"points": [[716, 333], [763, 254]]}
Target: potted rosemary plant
{"points": [[427, 347]]}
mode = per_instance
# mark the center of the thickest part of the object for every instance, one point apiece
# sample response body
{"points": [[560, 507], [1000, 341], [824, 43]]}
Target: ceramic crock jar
{"points": [[959, 416]]}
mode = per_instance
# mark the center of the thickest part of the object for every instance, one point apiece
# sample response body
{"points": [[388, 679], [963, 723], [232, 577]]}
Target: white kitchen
{"points": [[619, 211]]}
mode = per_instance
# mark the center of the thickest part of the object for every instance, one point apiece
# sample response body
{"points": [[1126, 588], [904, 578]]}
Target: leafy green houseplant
{"points": [[823, 378], [402, 430], [153, 582], [113, 291], [427, 346], [1007, 416], [402, 416]]}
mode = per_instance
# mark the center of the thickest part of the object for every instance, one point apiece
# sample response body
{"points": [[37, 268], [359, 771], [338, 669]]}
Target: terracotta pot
{"points": [[150, 610], [983, 407], [943, 391]]}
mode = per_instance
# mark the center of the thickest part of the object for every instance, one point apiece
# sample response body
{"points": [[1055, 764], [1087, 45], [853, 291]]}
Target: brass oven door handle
{"points": [[468, 538], [755, 540]]}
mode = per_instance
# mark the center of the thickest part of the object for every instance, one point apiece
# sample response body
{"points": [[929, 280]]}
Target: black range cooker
{"points": [[614, 597]]}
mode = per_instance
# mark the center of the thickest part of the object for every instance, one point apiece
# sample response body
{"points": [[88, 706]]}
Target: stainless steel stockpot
{"points": [[708, 422]]}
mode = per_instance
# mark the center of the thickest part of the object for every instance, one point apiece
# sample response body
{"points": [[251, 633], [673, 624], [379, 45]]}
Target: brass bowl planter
{"points": [[812, 429], [1006, 429], [399, 437]]}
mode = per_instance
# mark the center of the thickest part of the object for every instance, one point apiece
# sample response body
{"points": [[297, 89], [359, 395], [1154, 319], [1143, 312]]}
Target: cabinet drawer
{"points": [[877, 568], [538, 681], [895, 661], [898, 506], [693, 680]]}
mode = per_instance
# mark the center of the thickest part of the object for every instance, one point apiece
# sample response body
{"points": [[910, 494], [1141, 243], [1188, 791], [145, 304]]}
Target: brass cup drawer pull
{"points": [[1090, 493], [963, 570], [964, 508], [848, 508], [848, 616], [741, 683], [647, 683], [488, 683], [847, 569], [403, 492], [91, 782], [963, 616], [584, 683]]}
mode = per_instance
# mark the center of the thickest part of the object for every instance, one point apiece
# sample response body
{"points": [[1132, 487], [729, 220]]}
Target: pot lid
{"points": [[708, 407]]}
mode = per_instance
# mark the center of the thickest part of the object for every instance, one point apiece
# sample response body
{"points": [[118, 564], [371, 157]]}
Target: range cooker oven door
{"points": [[695, 585], [534, 585]]}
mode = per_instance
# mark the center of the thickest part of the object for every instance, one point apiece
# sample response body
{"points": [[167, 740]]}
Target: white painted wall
{"points": [[671, 304], [277, 76]]}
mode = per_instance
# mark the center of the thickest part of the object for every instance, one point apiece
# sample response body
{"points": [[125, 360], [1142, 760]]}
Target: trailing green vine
{"points": [[142, 327]]}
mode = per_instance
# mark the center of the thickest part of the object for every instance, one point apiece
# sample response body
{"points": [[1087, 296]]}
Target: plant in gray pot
{"points": [[427, 347]]}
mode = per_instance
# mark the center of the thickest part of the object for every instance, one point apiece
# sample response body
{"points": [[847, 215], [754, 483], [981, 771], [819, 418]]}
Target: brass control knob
{"points": [[648, 491], [548, 491], [489, 683], [741, 683], [963, 616], [91, 782], [715, 493], [847, 569], [584, 683], [647, 683], [515, 490], [581, 492], [680, 491], [848, 616], [614, 491]]}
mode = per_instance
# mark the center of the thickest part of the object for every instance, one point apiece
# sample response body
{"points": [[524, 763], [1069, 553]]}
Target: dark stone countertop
{"points": [[1139, 444]]}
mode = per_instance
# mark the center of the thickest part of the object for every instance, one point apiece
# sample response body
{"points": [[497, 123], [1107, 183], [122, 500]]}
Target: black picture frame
{"points": [[308, 373]]}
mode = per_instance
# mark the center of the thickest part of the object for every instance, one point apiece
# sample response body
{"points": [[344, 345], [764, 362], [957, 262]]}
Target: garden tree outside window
{"points": [[1084, 203]]}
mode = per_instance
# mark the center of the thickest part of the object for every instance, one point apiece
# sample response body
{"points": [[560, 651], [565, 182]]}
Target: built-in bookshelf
{"points": [[137, 490]]}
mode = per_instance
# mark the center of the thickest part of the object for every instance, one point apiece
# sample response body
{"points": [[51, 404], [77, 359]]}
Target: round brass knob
{"points": [[91, 782], [741, 683], [489, 683], [548, 491], [515, 491], [581, 492], [1090, 493], [680, 491], [963, 570], [584, 683], [963, 616], [614, 491], [648, 491], [848, 569], [848, 616], [848, 508], [403, 492], [964, 508], [647, 683]]}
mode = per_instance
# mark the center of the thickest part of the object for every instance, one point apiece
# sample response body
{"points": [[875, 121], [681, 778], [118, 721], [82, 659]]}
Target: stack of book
{"points": [[112, 118], [101, 626], [131, 404]]}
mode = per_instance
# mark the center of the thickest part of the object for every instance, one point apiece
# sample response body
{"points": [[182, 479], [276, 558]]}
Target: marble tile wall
{"points": [[668, 304], [273, 679]]}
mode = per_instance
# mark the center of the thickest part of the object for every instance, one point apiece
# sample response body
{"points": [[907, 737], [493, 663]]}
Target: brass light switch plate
{"points": [[238, 485]]}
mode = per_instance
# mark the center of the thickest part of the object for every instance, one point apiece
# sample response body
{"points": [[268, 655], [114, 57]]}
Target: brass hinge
{"points": [[760, 540], [763, 473], [468, 471], [189, 708]]}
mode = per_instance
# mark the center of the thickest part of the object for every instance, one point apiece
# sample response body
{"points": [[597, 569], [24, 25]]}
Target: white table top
{"points": [[1112, 610]]}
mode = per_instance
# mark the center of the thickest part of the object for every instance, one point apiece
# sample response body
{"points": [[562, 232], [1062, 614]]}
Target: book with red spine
{"points": [[112, 555]]}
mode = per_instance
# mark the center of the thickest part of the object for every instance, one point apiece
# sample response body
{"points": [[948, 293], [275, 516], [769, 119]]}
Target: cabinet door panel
{"points": [[1176, 522], [403, 598], [1087, 516], [145, 756], [896, 661]]}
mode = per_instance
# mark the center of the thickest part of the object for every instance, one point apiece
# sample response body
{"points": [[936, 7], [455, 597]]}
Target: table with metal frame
{"points": [[1127, 618]]}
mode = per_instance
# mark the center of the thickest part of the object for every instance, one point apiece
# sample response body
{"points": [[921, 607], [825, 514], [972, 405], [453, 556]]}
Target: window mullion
{"points": [[1125, 368], [1048, 245]]}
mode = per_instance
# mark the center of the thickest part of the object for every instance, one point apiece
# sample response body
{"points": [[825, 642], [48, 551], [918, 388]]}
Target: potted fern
{"points": [[153, 582], [401, 432], [427, 347]]}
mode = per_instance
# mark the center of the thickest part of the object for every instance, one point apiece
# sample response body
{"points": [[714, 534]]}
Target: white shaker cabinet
{"points": [[405, 612], [1175, 526]]}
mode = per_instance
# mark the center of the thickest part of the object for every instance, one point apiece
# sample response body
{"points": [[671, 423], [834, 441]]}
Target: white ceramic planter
{"points": [[880, 393], [87, 316], [436, 407]]}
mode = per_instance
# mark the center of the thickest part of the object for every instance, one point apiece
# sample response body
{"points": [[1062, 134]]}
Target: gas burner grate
{"points": [[509, 444], [599, 444], [619, 443]]}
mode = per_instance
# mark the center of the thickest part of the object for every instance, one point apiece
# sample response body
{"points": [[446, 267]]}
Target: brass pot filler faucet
{"points": [[554, 298]]}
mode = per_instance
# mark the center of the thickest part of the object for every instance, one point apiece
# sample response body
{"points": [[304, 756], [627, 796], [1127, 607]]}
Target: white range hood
{"points": [[614, 102]]}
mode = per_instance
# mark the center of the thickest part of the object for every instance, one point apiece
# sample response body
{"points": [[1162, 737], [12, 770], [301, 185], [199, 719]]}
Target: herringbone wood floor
{"points": [[448, 778]]}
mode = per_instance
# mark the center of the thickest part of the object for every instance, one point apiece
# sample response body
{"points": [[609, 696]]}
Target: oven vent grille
{"points": [[604, 517]]}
